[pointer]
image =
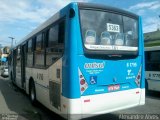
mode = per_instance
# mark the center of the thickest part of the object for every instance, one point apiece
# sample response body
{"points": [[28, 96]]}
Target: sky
{"points": [[19, 17]]}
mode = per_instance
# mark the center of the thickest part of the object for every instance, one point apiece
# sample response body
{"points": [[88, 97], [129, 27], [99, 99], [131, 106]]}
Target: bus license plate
{"points": [[113, 87]]}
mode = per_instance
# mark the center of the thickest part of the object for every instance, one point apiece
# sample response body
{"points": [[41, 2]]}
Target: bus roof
{"points": [[152, 48], [80, 5]]}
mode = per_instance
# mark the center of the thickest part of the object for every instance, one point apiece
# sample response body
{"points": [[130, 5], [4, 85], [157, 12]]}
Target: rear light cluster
{"points": [[138, 78], [83, 83]]}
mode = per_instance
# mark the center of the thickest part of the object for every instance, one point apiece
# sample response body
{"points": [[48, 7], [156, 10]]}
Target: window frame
{"points": [[40, 51], [45, 33], [50, 49], [108, 53], [55, 41]]}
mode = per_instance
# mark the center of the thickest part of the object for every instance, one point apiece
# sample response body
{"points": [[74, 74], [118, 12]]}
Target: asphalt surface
{"points": [[15, 105]]}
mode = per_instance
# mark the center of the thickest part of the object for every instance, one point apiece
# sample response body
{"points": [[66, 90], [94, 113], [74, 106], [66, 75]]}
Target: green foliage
{"points": [[152, 44]]}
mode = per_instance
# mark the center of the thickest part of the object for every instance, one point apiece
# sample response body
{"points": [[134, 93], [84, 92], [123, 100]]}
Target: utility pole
{"points": [[12, 41], [158, 23]]}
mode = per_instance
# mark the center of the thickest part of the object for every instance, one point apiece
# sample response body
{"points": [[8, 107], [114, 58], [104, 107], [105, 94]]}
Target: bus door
{"points": [[14, 65], [23, 65]]}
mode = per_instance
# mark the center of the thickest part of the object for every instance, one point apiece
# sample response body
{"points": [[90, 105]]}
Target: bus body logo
{"points": [[93, 80], [39, 76], [94, 65], [129, 72]]}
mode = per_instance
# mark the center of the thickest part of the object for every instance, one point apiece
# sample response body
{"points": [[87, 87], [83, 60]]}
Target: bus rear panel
{"points": [[105, 70]]}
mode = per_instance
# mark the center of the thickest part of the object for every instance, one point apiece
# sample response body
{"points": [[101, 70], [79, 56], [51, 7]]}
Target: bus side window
{"points": [[155, 58], [55, 46], [61, 32], [39, 51], [29, 53], [18, 56], [61, 37], [152, 59]]}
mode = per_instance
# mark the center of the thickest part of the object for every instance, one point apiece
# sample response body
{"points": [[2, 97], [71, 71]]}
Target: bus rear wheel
{"points": [[32, 93]]}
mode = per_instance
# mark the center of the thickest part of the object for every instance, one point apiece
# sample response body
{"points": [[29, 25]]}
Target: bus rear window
{"points": [[108, 31]]}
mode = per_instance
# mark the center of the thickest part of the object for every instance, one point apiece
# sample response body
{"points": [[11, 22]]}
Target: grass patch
{"points": [[152, 44]]}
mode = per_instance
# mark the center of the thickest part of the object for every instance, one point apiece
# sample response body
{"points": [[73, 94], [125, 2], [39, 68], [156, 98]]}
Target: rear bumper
{"points": [[92, 105]]}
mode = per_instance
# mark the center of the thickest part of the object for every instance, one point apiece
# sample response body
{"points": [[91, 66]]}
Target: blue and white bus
{"points": [[86, 60]]}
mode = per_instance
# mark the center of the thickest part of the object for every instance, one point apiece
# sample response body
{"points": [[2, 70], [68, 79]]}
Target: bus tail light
{"points": [[83, 83], [138, 78], [87, 100]]}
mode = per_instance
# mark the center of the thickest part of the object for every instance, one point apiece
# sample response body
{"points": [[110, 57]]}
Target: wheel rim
{"points": [[32, 94]]}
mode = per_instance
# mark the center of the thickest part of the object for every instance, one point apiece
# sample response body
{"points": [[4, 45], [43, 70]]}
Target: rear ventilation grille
{"points": [[54, 93]]}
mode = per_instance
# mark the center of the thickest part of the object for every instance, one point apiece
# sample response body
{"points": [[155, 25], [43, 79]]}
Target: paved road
{"points": [[15, 104]]}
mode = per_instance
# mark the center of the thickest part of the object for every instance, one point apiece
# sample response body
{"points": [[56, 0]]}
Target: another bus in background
{"points": [[152, 60]]}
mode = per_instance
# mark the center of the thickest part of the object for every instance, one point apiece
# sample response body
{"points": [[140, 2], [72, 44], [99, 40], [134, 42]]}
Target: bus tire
{"points": [[32, 93]]}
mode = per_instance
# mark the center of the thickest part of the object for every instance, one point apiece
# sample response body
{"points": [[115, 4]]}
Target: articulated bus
{"points": [[152, 58], [85, 60]]}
